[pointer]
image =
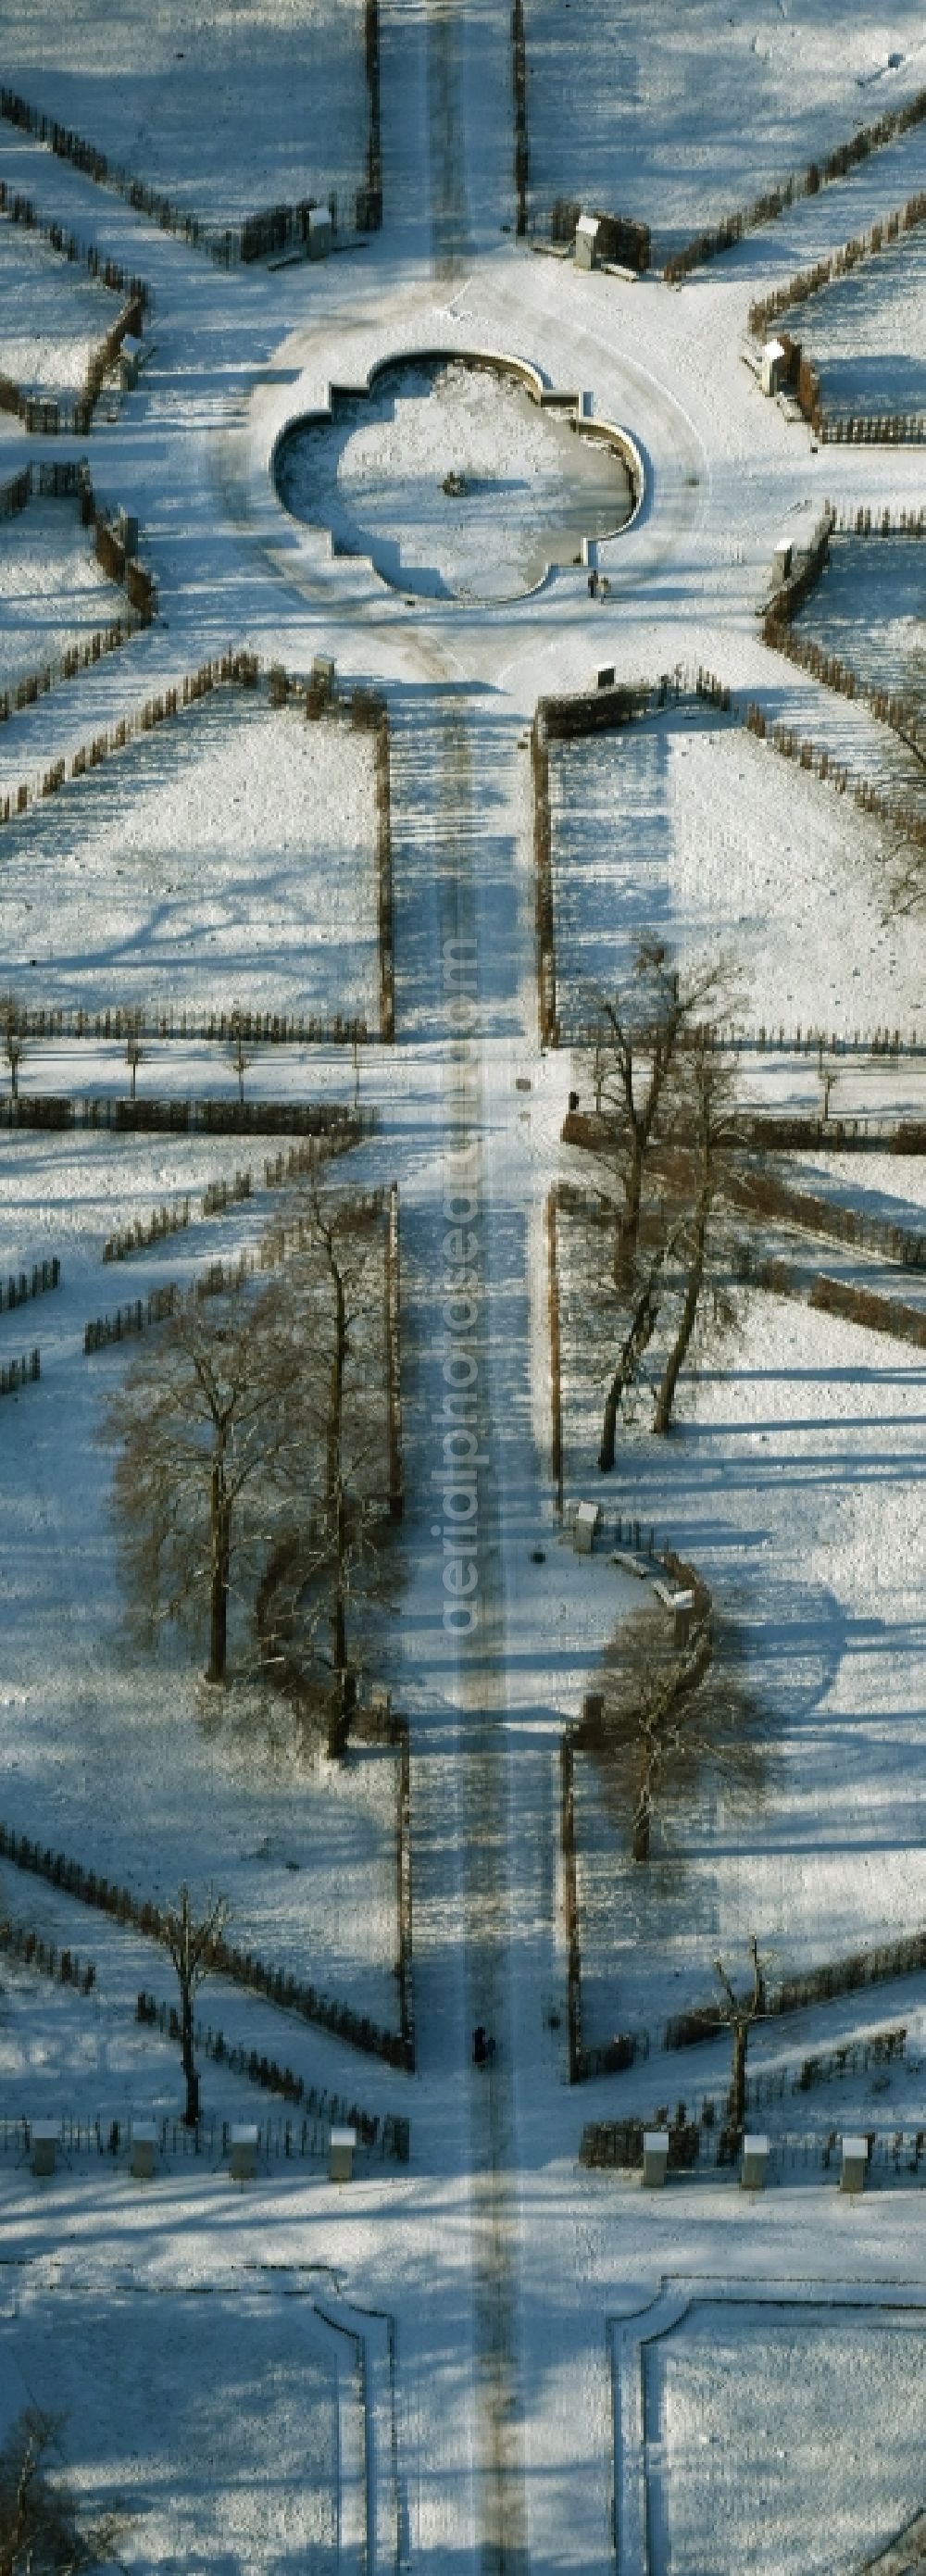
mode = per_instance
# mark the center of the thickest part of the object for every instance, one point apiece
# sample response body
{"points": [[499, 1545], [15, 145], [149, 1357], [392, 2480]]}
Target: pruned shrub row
{"points": [[308, 1118], [20, 1942], [16, 1290], [15, 1374]]}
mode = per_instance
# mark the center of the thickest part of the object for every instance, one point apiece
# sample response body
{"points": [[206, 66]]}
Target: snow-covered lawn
{"points": [[677, 117], [226, 859], [53, 592], [704, 837], [869, 608], [213, 2422], [867, 334], [224, 110], [52, 315], [753, 2419], [113, 1757], [793, 1483], [376, 478]]}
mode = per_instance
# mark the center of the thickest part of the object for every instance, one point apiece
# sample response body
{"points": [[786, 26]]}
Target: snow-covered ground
{"points": [[867, 336], [226, 860], [110, 1755], [219, 2437], [52, 315], [869, 608], [744, 2440], [53, 592], [678, 119], [225, 112], [702, 836], [795, 1471]]}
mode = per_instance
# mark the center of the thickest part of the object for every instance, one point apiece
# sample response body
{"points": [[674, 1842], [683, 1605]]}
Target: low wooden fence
{"points": [[893, 2154], [306, 2140], [268, 229], [66, 482], [46, 415], [770, 203], [887, 428], [242, 1967]]}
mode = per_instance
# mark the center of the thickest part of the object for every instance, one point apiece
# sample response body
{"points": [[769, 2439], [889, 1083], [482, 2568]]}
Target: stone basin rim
{"points": [[498, 362]]}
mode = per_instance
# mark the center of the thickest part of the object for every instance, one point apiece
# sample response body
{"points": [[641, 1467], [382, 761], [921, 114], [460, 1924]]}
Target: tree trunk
{"points": [[625, 1248], [218, 1602], [191, 2113], [635, 1342], [738, 2078], [642, 1824], [665, 1400], [337, 1504]]}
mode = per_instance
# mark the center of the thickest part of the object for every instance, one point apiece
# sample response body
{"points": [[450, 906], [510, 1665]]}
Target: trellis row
{"points": [[391, 2134], [18, 1289], [286, 1118]]}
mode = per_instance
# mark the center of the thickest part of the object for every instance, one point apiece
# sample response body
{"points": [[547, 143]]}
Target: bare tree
{"points": [[642, 1073], [334, 1555], [190, 1938], [643, 1032], [740, 2012], [41, 2529], [208, 1426], [239, 1056], [708, 1136], [670, 1717], [12, 1039], [253, 1463], [134, 1054]]}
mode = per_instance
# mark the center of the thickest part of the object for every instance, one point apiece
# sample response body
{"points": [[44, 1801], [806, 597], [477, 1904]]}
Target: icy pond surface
{"points": [[453, 481]]}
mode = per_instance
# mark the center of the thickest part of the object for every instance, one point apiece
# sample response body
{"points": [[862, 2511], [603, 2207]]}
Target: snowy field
{"points": [[225, 860], [52, 315], [869, 608], [111, 1756], [211, 2422], [677, 118], [754, 2458], [793, 1484], [703, 836], [53, 592], [867, 334], [226, 111], [376, 479]]}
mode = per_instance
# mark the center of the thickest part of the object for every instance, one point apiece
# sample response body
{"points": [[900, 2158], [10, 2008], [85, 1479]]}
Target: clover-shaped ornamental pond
{"points": [[453, 479]]}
